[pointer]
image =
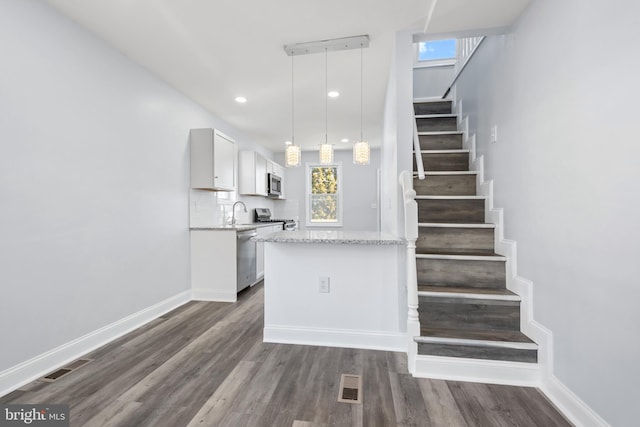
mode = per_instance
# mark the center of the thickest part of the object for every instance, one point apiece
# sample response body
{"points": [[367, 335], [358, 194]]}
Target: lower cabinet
{"points": [[214, 262], [214, 265], [263, 231]]}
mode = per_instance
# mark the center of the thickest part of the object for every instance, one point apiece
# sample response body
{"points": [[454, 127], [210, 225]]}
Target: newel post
{"points": [[411, 235]]}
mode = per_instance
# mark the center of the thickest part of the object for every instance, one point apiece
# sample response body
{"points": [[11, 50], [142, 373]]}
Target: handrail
{"points": [[411, 235], [477, 41], [416, 148]]}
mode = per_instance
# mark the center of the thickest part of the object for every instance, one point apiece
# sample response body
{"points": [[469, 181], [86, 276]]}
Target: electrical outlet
{"points": [[324, 285]]}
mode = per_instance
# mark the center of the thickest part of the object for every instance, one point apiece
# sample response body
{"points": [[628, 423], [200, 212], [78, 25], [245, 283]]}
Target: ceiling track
{"points": [[345, 43]]}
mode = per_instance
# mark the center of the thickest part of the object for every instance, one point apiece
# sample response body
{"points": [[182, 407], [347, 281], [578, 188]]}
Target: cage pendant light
{"points": [[292, 155], [361, 150], [326, 149]]}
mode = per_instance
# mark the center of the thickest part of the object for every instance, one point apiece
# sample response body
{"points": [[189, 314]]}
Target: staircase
{"points": [[465, 309]]}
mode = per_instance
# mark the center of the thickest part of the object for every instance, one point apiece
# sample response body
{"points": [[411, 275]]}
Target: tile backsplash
{"points": [[213, 208]]}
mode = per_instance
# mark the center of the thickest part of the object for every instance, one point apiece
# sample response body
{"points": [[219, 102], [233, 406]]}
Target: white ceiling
{"points": [[215, 50]]}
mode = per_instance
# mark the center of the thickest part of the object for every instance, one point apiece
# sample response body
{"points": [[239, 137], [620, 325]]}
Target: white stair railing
{"points": [[411, 235], [465, 48], [416, 148]]}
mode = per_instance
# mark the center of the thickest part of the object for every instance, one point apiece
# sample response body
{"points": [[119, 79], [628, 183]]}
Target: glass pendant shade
{"points": [[361, 153], [292, 157], [326, 154]]}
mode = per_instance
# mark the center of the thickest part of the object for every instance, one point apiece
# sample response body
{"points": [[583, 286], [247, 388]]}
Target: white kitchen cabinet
{"points": [[277, 169], [252, 172], [263, 231], [213, 159], [214, 265]]}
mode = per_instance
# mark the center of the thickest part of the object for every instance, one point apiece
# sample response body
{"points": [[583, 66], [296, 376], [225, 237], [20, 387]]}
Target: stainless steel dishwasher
{"points": [[246, 258]]}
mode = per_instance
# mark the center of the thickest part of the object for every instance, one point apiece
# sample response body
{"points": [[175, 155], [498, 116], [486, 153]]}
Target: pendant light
{"points": [[361, 150], [326, 149], [292, 155]]}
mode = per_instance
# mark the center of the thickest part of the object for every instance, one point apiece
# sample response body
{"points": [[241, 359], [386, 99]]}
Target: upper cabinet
{"points": [[252, 176], [212, 160], [275, 169]]}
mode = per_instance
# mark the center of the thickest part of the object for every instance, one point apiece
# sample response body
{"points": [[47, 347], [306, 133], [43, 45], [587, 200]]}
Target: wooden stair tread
{"points": [[431, 100], [436, 116], [456, 225], [456, 286], [444, 151], [476, 335], [469, 252], [441, 132], [440, 173], [467, 197], [465, 290]]}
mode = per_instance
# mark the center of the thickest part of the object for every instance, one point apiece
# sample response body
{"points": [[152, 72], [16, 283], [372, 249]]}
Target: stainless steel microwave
{"points": [[274, 185]]}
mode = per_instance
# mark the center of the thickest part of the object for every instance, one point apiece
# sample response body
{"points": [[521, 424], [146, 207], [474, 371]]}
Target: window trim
{"points": [[308, 167]]}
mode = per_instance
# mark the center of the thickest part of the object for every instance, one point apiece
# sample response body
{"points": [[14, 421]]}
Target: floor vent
{"points": [[59, 373], [350, 389]]}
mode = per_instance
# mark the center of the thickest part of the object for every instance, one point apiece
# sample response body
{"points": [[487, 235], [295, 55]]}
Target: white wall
{"points": [[359, 188], [430, 82], [563, 90], [93, 183], [397, 144]]}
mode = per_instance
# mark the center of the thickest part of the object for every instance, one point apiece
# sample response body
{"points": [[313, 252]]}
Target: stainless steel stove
{"points": [[264, 215]]}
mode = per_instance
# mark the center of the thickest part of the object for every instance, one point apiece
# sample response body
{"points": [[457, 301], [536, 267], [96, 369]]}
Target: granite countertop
{"points": [[331, 236], [237, 227]]}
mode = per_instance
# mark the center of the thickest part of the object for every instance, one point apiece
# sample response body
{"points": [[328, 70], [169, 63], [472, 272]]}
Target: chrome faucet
{"points": [[233, 211]]}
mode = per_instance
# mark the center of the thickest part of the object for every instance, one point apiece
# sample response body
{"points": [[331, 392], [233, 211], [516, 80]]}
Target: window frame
{"points": [[308, 168]]}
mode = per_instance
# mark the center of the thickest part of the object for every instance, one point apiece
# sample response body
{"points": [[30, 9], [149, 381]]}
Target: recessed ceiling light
{"points": [[344, 140], [241, 99], [334, 94]]}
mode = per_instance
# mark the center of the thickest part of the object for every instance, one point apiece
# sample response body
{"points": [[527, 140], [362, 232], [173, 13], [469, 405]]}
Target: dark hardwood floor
{"points": [[204, 364]]}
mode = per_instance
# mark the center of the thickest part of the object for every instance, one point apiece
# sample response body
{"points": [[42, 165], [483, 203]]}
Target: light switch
{"points": [[324, 285]]}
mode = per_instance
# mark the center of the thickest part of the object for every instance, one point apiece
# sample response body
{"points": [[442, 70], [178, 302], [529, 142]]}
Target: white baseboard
{"points": [[478, 371], [370, 340], [217, 296], [570, 405], [32, 369]]}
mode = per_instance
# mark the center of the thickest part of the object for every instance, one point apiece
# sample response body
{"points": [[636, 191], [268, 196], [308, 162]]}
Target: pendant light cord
{"points": [[293, 141], [361, 92], [326, 88]]}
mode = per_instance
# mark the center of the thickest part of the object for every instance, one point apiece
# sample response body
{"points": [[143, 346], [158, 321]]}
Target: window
{"points": [[435, 53], [324, 195], [437, 49]]}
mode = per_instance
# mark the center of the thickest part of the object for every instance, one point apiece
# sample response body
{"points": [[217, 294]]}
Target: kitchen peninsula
{"points": [[334, 288]]}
